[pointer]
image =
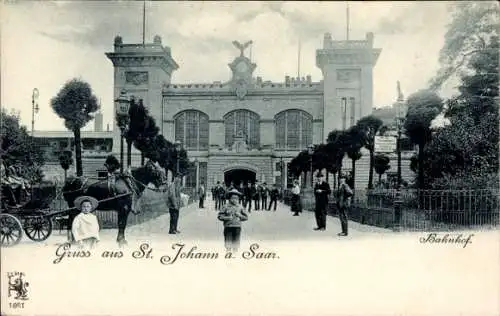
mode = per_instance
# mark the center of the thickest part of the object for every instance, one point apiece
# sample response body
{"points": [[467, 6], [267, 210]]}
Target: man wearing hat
{"points": [[85, 227], [232, 215], [321, 192], [344, 195]]}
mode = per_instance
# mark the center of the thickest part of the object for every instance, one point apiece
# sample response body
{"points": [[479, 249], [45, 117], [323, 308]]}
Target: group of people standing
{"points": [[250, 192], [321, 193]]}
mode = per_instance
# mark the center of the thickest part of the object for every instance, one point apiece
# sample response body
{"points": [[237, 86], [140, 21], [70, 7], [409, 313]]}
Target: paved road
{"points": [[202, 224]]}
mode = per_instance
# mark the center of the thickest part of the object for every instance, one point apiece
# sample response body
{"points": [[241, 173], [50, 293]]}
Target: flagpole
{"points": [[298, 60], [144, 22], [347, 20]]}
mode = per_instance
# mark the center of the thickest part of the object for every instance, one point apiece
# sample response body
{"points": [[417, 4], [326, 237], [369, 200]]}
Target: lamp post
{"points": [[34, 109], [122, 105], [310, 151], [178, 147]]}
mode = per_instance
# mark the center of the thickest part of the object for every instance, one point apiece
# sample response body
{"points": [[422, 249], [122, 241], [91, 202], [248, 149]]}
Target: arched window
{"points": [[191, 128], [242, 122], [293, 129]]}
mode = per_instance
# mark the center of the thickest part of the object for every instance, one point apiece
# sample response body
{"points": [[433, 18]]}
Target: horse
{"points": [[122, 203]]}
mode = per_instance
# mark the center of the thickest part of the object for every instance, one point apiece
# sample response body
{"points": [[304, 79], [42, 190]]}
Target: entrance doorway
{"points": [[238, 176]]}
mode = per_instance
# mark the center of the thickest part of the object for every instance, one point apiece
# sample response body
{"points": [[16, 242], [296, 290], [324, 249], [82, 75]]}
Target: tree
{"points": [[17, 147], [472, 25], [66, 160], [370, 125], [381, 165], [356, 140], [423, 107], [467, 148], [139, 130], [75, 103]]}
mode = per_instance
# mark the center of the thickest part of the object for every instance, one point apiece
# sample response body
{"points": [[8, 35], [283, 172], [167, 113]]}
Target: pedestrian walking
{"points": [[296, 204], [344, 194], [321, 192], [273, 194], [218, 192], [247, 196], [174, 204], [256, 195], [85, 227], [232, 215], [263, 195], [201, 195]]}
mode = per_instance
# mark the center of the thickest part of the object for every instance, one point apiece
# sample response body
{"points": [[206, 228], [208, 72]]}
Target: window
{"points": [[203, 178], [191, 128], [244, 122], [293, 129]]}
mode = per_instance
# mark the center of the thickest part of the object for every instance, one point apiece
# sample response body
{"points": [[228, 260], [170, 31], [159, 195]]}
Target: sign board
{"points": [[385, 144]]}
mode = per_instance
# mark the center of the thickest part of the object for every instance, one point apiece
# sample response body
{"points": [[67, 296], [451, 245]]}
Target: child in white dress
{"points": [[85, 226]]}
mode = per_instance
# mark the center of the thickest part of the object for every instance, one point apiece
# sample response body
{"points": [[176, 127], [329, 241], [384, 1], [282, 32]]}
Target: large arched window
{"points": [[242, 122], [191, 128], [293, 129]]}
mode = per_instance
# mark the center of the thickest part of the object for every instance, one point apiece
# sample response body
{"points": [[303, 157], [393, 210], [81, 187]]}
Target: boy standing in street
{"points": [[232, 215]]}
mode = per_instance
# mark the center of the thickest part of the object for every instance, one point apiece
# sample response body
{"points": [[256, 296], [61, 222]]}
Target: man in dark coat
{"points": [[247, 192], [256, 195], [274, 194], [344, 195], [219, 192], [263, 195], [321, 192], [201, 195]]}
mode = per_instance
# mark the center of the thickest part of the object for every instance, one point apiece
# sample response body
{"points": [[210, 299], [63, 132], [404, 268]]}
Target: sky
{"points": [[46, 43]]}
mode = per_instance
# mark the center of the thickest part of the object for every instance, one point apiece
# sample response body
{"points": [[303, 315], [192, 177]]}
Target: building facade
{"points": [[247, 128]]}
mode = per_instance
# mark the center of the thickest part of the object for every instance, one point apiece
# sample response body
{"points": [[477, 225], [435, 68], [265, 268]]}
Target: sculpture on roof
{"points": [[242, 47]]}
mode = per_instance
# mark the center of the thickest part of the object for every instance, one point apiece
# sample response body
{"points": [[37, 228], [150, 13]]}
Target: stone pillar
{"points": [[197, 174]]}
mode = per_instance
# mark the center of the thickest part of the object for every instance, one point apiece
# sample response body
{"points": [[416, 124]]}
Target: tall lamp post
{"points": [[178, 147], [122, 118], [310, 151], [34, 109]]}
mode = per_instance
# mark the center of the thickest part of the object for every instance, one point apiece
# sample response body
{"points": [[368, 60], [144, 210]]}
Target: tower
{"points": [[347, 68], [142, 70], [98, 122]]}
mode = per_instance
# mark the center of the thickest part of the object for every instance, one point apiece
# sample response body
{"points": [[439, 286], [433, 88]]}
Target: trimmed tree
{"points": [[370, 126], [66, 160], [423, 107], [75, 103], [381, 165]]}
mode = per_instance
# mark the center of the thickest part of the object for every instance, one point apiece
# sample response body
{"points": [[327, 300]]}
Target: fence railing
{"points": [[423, 210]]}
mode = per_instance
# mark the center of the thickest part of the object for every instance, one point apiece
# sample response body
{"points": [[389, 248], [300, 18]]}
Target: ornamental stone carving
{"points": [[137, 77]]}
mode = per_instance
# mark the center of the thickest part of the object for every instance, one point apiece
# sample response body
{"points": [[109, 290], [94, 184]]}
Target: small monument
{"points": [[240, 142]]}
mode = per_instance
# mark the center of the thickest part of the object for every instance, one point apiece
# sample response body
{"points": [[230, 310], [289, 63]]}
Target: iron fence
{"points": [[422, 210]]}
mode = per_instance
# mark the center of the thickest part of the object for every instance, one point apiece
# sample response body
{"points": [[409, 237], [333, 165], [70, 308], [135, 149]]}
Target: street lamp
{"points": [[310, 150], [122, 105], [178, 147], [34, 109]]}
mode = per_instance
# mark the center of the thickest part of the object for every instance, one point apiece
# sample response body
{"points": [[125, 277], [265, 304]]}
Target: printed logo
{"points": [[18, 286]]}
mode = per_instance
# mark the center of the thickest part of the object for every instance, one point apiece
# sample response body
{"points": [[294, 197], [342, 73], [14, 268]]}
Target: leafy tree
{"points": [[423, 107], [75, 103], [17, 147], [468, 147], [381, 165], [472, 25], [356, 140], [66, 160], [370, 125], [139, 130]]}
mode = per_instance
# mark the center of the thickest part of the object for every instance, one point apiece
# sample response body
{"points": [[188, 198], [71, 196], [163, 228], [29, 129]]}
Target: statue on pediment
{"points": [[240, 142]]}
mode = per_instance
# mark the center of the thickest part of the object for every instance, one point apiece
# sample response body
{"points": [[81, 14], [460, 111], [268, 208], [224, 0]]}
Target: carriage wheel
{"points": [[38, 228], [11, 230]]}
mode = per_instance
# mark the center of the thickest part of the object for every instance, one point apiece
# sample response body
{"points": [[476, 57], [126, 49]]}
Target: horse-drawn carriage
{"points": [[35, 214], [32, 215]]}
